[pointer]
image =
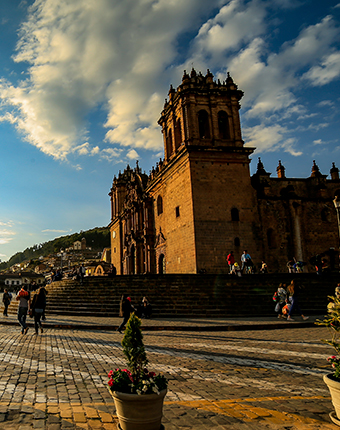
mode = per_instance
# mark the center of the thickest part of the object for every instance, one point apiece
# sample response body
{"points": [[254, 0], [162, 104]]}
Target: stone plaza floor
{"points": [[244, 379]]}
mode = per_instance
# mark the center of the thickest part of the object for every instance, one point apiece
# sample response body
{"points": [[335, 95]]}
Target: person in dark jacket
{"points": [[38, 308], [125, 310], [144, 309], [294, 289], [6, 298]]}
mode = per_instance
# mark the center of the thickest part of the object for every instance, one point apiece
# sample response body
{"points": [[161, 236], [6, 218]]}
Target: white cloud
{"points": [[327, 71], [55, 231], [6, 236], [82, 149], [7, 223], [269, 138], [132, 155], [111, 154], [234, 24], [269, 80], [326, 103], [84, 54], [317, 127], [116, 56]]}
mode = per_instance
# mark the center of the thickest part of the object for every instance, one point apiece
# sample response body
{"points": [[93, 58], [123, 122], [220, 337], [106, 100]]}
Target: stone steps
{"points": [[184, 295]]}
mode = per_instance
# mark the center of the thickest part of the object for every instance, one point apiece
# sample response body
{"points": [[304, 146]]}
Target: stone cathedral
{"points": [[200, 202]]}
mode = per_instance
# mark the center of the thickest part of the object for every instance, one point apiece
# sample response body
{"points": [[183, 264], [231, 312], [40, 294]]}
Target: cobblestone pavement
{"points": [[263, 379], [205, 323]]}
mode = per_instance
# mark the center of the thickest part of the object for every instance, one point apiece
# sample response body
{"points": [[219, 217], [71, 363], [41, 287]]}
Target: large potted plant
{"points": [[332, 380], [138, 394]]}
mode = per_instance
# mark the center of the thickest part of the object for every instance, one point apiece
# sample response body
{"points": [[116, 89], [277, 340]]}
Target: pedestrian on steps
{"points": [[125, 310], [294, 290], [82, 272]]}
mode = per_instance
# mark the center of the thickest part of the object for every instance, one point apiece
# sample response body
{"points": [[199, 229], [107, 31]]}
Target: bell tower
{"points": [[201, 113], [204, 182]]}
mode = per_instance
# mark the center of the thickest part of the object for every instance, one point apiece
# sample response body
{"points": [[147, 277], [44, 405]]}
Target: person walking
{"points": [[24, 298], [264, 267], [144, 309], [280, 298], [38, 308], [112, 271], [6, 299], [125, 310], [294, 291], [82, 272], [290, 266], [246, 262], [231, 261]]}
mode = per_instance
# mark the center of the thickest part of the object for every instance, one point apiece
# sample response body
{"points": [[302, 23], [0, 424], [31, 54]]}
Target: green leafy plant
{"points": [[332, 322], [137, 379], [133, 346]]}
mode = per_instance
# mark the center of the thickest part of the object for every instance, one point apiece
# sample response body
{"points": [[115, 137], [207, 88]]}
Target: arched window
{"points": [[324, 214], [178, 133], [161, 264], [159, 205], [168, 139], [237, 242], [271, 240], [203, 124], [132, 270], [235, 214], [223, 125]]}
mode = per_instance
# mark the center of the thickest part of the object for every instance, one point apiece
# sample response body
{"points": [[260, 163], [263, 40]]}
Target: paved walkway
{"points": [[177, 324], [249, 379]]}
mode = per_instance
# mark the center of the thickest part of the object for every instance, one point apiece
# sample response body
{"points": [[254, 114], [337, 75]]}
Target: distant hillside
{"points": [[96, 238]]}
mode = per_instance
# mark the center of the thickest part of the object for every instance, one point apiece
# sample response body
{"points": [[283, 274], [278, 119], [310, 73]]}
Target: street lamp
{"points": [[337, 208], [61, 258]]}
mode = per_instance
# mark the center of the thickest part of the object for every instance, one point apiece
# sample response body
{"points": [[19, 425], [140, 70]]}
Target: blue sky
{"points": [[82, 84]]}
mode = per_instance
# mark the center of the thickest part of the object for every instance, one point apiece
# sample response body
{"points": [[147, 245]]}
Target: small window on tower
{"points": [[159, 205], [324, 214], [235, 214], [177, 211], [271, 239]]}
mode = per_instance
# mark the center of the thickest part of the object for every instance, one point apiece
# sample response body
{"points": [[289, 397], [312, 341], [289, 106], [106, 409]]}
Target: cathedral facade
{"points": [[200, 202]]}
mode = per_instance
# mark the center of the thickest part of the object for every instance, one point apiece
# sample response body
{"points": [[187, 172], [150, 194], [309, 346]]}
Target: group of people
{"points": [[287, 300], [35, 308], [247, 265], [295, 266], [142, 310]]}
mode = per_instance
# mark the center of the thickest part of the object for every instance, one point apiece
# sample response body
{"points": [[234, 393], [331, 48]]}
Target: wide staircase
{"points": [[185, 295]]}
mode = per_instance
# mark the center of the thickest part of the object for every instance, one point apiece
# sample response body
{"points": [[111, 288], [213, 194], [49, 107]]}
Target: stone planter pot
{"points": [[334, 389], [139, 412]]}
